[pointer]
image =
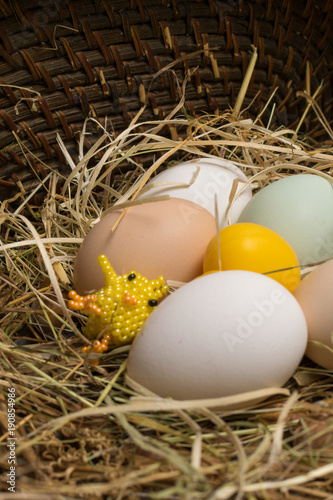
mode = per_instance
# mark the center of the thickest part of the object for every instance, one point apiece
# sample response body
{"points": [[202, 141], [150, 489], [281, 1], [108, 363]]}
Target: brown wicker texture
{"points": [[64, 60]]}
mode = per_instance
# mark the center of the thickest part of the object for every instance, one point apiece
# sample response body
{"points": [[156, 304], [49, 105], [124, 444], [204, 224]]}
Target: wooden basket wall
{"points": [[64, 60]]}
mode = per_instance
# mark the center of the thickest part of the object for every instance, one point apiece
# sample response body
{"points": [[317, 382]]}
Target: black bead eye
{"points": [[131, 277], [152, 303]]}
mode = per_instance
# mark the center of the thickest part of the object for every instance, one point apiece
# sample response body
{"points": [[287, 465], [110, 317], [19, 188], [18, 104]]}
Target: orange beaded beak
{"points": [[129, 299]]}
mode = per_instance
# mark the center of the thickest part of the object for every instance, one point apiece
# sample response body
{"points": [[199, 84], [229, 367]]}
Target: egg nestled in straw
{"points": [[315, 296], [164, 238], [255, 248], [201, 180], [299, 208], [222, 334]]}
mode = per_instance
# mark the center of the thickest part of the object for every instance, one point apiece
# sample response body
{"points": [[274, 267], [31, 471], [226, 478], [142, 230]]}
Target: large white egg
{"points": [[204, 178], [222, 334]]}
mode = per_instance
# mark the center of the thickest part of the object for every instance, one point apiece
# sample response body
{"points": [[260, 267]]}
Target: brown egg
{"points": [[164, 238], [315, 296]]}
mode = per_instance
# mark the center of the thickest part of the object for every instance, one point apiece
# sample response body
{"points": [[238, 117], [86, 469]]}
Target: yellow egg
{"points": [[252, 247]]}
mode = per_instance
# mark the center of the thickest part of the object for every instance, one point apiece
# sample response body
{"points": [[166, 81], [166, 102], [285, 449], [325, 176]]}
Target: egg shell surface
{"points": [[214, 176], [299, 208], [165, 238], [255, 248], [222, 334], [315, 296]]}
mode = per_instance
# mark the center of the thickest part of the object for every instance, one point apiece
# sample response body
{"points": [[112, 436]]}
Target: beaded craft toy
{"points": [[119, 309]]}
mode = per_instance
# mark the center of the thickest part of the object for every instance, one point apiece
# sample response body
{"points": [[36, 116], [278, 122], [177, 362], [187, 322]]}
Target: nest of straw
{"points": [[81, 431]]}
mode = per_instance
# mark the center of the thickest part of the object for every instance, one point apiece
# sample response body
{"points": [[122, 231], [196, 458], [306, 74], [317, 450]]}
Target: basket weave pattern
{"points": [[62, 61]]}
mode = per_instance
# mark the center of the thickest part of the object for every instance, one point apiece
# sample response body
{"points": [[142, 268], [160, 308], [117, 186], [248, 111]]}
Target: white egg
{"points": [[222, 334], [203, 178]]}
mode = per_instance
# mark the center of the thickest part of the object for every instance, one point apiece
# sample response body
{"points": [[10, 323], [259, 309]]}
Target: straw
{"points": [[86, 431]]}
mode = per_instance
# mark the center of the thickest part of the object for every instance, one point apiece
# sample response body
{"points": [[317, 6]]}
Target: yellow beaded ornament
{"points": [[119, 309]]}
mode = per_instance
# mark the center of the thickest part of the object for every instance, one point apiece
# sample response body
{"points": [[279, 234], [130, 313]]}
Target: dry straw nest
{"points": [[82, 431]]}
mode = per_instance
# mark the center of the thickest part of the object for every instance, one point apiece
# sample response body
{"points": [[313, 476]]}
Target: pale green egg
{"points": [[300, 209]]}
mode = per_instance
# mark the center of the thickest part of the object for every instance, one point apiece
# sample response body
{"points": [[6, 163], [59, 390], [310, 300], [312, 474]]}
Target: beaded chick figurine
{"points": [[119, 309]]}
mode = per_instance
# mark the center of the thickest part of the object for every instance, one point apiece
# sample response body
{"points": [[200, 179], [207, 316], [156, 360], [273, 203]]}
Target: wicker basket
{"points": [[64, 60]]}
